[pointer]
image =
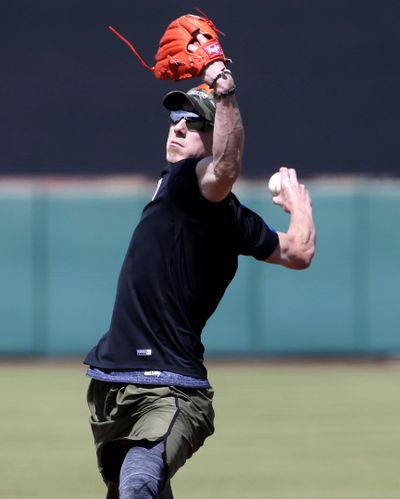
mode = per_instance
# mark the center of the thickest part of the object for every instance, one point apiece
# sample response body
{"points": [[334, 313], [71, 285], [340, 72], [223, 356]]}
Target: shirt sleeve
{"points": [[256, 238]]}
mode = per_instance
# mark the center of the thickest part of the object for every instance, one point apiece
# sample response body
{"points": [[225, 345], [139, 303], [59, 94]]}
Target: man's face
{"points": [[184, 143]]}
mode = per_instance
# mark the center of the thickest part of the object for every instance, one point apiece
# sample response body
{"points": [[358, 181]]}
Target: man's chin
{"points": [[173, 158], [174, 155]]}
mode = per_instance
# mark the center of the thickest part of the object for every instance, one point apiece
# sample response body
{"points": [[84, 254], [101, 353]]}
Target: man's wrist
{"points": [[224, 93], [222, 74], [211, 70], [223, 85], [220, 79]]}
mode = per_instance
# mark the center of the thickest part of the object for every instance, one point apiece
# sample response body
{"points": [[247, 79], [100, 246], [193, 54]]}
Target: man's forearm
{"points": [[301, 237], [228, 137]]}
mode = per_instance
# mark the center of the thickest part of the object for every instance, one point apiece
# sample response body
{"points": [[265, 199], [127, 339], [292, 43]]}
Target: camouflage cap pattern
{"points": [[201, 98]]}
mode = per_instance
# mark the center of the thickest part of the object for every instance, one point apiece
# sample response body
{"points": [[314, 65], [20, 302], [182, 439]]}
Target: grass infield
{"points": [[283, 431]]}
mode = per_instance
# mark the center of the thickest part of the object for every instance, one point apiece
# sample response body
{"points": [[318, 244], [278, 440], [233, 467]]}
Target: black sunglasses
{"points": [[193, 121]]}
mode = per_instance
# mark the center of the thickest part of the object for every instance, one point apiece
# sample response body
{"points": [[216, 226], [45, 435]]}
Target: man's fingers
{"points": [[192, 47], [288, 176], [201, 38], [292, 173], [284, 175]]}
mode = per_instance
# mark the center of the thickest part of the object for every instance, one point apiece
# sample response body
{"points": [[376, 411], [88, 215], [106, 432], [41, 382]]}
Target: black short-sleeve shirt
{"points": [[182, 256]]}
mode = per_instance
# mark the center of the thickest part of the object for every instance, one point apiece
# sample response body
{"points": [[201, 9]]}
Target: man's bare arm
{"points": [[218, 173], [296, 247]]}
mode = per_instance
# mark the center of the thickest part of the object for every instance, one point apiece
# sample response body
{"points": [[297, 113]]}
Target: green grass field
{"points": [[283, 431]]}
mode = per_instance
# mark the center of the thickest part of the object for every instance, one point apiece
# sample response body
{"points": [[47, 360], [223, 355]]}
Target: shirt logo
{"points": [[152, 373], [143, 352]]}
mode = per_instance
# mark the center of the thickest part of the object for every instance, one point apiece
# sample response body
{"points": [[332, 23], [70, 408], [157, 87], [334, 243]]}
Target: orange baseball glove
{"points": [[174, 59]]}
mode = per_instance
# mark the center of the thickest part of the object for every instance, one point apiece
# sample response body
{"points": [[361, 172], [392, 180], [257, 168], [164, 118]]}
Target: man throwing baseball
{"points": [[149, 396]]}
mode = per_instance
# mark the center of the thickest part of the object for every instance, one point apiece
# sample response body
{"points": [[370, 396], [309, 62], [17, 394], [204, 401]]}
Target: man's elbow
{"points": [[301, 260]]}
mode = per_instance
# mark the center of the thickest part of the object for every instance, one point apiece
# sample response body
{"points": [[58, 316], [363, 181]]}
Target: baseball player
{"points": [[149, 396]]}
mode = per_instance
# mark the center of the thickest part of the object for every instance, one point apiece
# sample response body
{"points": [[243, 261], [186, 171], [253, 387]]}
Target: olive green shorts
{"points": [[124, 415]]}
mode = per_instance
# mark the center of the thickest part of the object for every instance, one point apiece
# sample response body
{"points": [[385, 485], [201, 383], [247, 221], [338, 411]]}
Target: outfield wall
{"points": [[62, 247]]}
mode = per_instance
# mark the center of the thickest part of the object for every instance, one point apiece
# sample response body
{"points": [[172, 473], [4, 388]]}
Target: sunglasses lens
{"points": [[197, 125], [193, 121]]}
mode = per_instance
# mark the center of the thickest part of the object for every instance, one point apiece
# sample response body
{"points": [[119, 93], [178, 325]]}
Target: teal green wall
{"points": [[61, 251]]}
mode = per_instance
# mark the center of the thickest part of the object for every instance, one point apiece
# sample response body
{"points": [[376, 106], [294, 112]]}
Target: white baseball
{"points": [[274, 184]]}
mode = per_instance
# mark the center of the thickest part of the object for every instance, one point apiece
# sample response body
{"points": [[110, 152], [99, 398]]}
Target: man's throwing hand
{"points": [[292, 194]]}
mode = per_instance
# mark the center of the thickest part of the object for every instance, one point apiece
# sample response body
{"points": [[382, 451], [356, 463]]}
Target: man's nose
{"points": [[181, 127]]}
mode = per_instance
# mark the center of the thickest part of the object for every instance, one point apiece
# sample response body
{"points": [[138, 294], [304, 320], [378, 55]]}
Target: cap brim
{"points": [[175, 100]]}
